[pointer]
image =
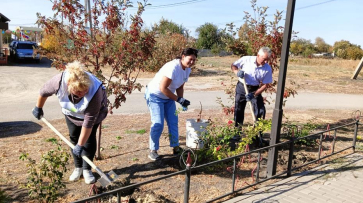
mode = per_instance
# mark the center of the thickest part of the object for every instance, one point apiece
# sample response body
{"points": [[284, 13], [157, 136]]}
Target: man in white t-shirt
{"points": [[258, 74], [160, 98]]}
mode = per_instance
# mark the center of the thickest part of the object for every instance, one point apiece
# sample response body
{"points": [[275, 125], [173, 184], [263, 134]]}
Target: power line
{"points": [[173, 4], [22, 24], [312, 5], [177, 4]]}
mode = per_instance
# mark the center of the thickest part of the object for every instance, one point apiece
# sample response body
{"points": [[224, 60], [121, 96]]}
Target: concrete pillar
{"points": [[1, 41], [357, 70]]}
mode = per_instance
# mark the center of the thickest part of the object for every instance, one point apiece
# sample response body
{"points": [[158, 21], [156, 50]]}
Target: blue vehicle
{"points": [[24, 50]]}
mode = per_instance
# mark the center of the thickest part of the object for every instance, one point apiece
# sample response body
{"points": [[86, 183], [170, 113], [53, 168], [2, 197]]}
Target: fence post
{"points": [[187, 179], [258, 166], [118, 197], [291, 155], [320, 145], [335, 137], [234, 174], [355, 134]]}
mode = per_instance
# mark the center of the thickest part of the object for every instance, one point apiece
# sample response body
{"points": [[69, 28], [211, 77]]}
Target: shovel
{"points": [[243, 81], [106, 179]]}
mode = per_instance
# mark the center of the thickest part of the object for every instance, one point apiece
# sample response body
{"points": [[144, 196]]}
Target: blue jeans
{"points": [[160, 109]]}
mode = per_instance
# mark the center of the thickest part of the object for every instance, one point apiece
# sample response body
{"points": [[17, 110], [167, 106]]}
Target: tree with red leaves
{"points": [[110, 49], [259, 32]]}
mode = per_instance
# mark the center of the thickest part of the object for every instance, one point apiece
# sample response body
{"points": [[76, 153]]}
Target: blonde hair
{"points": [[78, 79]]}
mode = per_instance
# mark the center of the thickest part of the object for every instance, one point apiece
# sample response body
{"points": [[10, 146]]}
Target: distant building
{"points": [[3, 26], [323, 55], [29, 34]]}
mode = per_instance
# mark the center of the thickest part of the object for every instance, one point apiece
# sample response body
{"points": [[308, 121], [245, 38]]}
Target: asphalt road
{"points": [[20, 84]]}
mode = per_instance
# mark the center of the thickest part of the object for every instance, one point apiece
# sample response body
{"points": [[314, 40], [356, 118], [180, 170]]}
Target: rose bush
{"points": [[220, 139]]}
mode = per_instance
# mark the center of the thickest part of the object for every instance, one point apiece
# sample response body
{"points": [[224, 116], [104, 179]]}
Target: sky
{"points": [[332, 20]]}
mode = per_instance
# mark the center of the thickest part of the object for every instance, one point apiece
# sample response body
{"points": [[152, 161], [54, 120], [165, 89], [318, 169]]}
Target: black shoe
{"points": [[265, 142], [259, 142], [256, 141], [177, 151], [232, 144]]}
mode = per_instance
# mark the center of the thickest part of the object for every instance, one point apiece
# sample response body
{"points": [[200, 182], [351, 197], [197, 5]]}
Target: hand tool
{"points": [[243, 81], [106, 179]]}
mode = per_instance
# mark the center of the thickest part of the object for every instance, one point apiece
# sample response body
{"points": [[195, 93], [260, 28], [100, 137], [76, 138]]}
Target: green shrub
{"points": [[298, 131], [45, 178], [218, 139], [3, 197]]}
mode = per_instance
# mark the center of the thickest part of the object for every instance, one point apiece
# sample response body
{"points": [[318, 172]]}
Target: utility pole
{"points": [[88, 11], [277, 113]]}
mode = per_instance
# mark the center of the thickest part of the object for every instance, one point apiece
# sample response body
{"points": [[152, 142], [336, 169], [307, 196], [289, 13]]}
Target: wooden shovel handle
{"points": [[69, 143], [243, 81]]}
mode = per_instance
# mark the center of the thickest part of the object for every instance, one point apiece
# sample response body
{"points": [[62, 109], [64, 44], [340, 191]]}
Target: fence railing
{"points": [[288, 172]]}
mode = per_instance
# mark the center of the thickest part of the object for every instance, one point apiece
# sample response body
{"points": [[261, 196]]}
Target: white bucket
{"points": [[194, 131]]}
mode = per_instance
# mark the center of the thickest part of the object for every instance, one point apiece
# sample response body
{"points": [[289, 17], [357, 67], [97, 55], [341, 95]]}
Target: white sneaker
{"points": [[88, 177], [77, 172]]}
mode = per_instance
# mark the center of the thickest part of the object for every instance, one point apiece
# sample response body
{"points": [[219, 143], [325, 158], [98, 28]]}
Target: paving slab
{"points": [[338, 181]]}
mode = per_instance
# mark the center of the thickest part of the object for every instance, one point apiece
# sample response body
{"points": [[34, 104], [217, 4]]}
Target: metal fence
{"points": [[290, 144]]}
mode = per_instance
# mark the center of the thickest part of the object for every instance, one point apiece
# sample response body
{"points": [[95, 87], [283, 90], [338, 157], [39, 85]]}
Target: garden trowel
{"points": [[106, 179]]}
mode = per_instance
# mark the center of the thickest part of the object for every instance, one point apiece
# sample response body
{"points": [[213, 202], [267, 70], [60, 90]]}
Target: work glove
{"points": [[241, 74], [185, 103], [77, 150], [38, 113], [250, 96]]}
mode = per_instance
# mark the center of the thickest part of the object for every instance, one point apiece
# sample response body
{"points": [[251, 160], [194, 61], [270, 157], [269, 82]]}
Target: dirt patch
{"points": [[125, 151]]}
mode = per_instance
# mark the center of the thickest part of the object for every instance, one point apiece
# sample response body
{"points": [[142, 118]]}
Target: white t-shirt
{"points": [[172, 70], [254, 74]]}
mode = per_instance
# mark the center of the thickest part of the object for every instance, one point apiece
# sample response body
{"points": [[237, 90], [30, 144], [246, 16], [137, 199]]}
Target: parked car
{"points": [[11, 45], [24, 50]]}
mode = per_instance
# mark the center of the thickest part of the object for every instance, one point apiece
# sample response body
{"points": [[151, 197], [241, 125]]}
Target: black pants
{"points": [[240, 105], [89, 147]]}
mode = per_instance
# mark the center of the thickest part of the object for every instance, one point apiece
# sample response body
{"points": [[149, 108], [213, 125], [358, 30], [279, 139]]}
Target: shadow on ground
{"points": [[44, 63], [199, 72], [18, 128]]}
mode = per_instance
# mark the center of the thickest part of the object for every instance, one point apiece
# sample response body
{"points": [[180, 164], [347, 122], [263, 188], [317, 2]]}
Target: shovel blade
{"points": [[112, 175], [107, 179]]}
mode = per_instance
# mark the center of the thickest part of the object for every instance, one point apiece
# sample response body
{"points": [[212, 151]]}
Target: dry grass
{"points": [[316, 74], [325, 75], [324, 62]]}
